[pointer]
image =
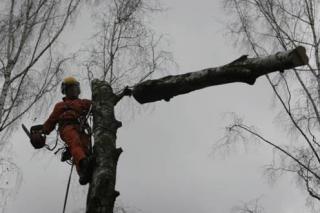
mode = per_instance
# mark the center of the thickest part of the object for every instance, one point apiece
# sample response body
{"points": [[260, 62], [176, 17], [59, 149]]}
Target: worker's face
{"points": [[73, 91]]}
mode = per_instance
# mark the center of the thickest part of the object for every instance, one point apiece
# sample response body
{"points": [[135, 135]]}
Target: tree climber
{"points": [[70, 114]]}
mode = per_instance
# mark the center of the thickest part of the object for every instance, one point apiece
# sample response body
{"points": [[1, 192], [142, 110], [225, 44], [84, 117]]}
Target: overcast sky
{"points": [[167, 164]]}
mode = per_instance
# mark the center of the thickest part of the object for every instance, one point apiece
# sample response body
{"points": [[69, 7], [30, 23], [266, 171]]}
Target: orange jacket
{"points": [[68, 109]]}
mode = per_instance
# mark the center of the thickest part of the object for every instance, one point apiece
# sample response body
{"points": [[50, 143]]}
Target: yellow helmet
{"points": [[68, 81]]}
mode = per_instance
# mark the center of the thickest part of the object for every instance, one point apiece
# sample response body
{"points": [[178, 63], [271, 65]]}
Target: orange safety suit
{"points": [[66, 114]]}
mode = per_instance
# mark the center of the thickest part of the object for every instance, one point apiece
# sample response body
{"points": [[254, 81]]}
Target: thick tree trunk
{"points": [[102, 193], [244, 69]]}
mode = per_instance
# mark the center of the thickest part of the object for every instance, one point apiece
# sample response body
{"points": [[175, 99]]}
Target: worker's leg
{"points": [[87, 164], [85, 143], [70, 134]]}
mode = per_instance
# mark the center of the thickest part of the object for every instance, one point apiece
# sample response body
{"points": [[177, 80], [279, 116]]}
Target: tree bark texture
{"points": [[102, 193], [244, 69]]}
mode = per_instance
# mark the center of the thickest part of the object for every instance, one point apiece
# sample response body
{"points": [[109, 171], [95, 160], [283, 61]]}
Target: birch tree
{"points": [[118, 68], [263, 27], [29, 68]]}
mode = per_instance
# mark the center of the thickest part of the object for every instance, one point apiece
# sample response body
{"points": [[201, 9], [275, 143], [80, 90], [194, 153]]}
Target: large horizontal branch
{"points": [[244, 69]]}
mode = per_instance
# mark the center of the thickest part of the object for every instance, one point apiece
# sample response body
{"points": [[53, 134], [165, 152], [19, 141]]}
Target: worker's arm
{"points": [[51, 122]]}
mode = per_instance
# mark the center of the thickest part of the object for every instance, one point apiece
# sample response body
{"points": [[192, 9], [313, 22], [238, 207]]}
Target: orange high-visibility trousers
{"points": [[77, 141]]}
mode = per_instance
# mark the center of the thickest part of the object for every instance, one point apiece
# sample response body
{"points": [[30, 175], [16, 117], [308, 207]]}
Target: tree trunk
{"points": [[102, 193]]}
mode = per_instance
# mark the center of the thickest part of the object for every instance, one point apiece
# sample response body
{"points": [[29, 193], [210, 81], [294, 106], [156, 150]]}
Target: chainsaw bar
{"points": [[26, 130]]}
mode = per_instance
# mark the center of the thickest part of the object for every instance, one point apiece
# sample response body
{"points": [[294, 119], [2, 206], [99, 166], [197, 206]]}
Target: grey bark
{"points": [[244, 69], [102, 193]]}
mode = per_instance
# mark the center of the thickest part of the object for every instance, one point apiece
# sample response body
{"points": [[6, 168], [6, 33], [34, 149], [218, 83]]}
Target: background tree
{"points": [[28, 31], [262, 27], [124, 48], [252, 206], [30, 68]]}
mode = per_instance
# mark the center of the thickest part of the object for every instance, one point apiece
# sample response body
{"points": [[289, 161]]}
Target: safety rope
{"points": [[67, 191]]}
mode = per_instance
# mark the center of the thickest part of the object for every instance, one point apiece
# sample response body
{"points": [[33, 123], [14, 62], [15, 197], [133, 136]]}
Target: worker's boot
{"points": [[66, 155], [85, 169]]}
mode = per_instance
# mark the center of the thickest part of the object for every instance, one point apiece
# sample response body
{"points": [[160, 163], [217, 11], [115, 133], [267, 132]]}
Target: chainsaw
{"points": [[37, 138], [38, 141]]}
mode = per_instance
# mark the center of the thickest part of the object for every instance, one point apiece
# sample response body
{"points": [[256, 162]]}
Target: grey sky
{"points": [[167, 164]]}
